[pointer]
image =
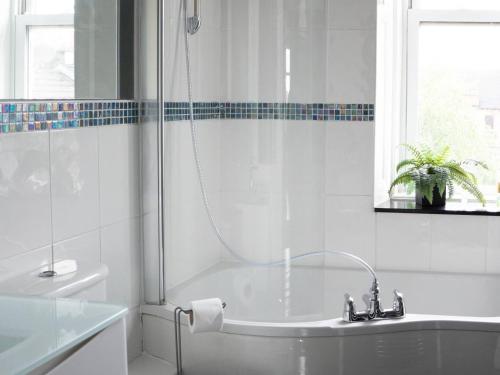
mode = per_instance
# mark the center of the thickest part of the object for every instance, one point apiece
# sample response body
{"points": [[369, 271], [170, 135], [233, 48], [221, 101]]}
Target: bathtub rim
{"points": [[338, 328]]}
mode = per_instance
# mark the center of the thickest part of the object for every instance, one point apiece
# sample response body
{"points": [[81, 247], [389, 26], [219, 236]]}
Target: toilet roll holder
{"points": [[177, 329]]}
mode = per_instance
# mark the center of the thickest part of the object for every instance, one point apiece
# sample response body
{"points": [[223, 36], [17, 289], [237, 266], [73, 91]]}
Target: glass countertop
{"points": [[33, 330]]}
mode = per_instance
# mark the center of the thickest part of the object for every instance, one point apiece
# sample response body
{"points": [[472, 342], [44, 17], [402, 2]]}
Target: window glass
{"points": [[457, 4], [50, 6], [458, 92], [51, 65]]}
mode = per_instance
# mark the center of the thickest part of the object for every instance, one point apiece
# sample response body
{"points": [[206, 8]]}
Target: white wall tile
{"points": [[83, 248], [149, 166], [151, 258], [241, 57], [308, 65], [271, 156], [75, 181], [271, 58], [352, 14], [181, 167], [403, 241], [350, 227], [25, 262], [253, 51], [24, 193], [250, 155], [303, 228], [459, 243], [349, 158], [134, 333], [118, 172], [493, 252], [205, 57], [120, 251], [305, 14], [265, 227], [303, 157], [351, 66], [192, 246], [252, 224]]}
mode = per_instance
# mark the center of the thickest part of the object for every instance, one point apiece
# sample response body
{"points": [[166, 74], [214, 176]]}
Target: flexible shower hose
{"points": [[203, 189]]}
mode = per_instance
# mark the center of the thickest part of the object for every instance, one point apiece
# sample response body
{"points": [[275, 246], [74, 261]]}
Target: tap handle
{"points": [[349, 302], [349, 308], [398, 296], [398, 303]]}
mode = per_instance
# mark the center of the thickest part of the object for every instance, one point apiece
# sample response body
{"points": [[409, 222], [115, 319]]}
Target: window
{"points": [[44, 50], [49, 6], [445, 61]]}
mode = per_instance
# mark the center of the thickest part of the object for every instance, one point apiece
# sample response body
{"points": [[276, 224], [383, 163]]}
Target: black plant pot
{"points": [[437, 199]]}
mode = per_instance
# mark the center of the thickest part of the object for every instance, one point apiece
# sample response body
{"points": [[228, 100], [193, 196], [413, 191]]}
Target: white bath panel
{"points": [[148, 365]]}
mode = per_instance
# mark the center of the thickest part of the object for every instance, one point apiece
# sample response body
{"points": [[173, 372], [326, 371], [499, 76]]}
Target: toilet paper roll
{"points": [[208, 315]]}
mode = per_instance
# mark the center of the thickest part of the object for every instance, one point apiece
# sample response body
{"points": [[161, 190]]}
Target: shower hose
{"points": [[204, 195]]}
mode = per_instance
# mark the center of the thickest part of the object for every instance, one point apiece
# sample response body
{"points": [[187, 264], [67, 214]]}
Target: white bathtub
{"points": [[286, 321]]}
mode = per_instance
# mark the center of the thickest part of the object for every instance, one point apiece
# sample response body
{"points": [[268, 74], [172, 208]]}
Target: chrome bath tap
{"points": [[374, 307]]}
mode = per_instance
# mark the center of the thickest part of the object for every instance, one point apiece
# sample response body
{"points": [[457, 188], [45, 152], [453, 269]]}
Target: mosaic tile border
{"points": [[28, 116], [178, 111], [18, 117]]}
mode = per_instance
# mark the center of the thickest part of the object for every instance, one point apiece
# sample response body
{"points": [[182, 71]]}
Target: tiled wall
{"points": [[69, 181]]}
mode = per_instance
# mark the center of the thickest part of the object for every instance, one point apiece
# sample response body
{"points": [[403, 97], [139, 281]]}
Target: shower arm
{"points": [[194, 22]]}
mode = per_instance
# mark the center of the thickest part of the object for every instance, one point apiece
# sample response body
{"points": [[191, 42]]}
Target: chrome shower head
{"points": [[194, 22]]}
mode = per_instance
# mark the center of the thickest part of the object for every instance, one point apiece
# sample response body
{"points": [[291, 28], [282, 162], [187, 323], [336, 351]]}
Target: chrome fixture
{"points": [[194, 22], [374, 307], [47, 274], [177, 333]]}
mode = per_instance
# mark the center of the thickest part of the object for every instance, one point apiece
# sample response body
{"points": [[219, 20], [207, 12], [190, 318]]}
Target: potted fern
{"points": [[431, 174]]}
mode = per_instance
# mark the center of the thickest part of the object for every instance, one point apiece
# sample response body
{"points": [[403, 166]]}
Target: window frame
{"points": [[23, 21], [415, 18], [408, 129]]}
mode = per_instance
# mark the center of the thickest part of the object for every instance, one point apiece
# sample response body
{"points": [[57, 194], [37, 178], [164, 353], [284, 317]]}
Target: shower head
{"points": [[194, 22]]}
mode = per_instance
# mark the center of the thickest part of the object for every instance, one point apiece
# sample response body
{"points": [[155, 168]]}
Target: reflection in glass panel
{"points": [[51, 62], [50, 6]]}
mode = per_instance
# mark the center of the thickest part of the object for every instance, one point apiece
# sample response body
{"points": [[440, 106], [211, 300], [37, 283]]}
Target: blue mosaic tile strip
{"points": [[35, 116], [178, 111]]}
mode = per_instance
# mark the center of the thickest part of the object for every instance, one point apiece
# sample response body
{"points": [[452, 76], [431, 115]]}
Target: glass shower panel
{"points": [[264, 105]]}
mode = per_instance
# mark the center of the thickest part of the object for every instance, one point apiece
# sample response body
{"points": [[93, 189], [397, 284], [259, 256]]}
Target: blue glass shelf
{"points": [[33, 331]]}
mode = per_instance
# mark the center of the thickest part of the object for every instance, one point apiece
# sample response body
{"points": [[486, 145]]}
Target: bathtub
{"points": [[287, 321]]}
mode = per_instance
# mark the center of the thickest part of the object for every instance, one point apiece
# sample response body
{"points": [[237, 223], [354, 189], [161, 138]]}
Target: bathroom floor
{"points": [[147, 365]]}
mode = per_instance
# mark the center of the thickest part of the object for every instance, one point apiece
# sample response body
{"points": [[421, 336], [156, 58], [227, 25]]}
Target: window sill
{"points": [[451, 208]]}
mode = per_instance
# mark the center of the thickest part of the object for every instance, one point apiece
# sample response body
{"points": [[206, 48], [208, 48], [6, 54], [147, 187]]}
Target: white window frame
{"points": [[415, 18], [23, 22]]}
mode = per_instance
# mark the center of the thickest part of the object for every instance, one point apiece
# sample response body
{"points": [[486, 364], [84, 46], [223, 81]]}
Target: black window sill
{"points": [[451, 208]]}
